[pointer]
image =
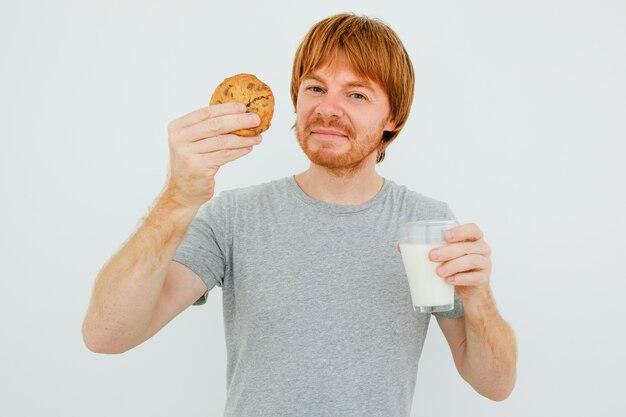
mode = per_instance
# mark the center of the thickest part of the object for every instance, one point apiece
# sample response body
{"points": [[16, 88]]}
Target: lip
{"points": [[328, 132]]}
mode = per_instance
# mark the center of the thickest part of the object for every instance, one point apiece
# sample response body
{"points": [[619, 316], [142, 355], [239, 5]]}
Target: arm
{"points": [[484, 350], [483, 344], [140, 289], [123, 310]]}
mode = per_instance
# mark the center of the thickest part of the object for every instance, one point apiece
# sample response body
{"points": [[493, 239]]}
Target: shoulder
{"points": [[244, 203], [258, 191], [254, 196], [416, 203]]}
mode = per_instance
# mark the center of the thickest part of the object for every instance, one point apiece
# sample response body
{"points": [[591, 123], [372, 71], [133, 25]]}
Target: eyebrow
{"points": [[355, 83]]}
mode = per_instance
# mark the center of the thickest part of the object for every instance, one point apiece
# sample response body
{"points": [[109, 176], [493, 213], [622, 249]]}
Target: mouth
{"points": [[325, 133]]}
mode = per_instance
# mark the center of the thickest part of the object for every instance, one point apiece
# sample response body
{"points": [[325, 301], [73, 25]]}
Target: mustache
{"points": [[320, 122]]}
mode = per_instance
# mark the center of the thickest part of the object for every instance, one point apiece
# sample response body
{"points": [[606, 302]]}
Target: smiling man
{"points": [[317, 311], [341, 117]]}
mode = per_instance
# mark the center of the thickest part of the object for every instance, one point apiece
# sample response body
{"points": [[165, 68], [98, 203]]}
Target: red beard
{"points": [[347, 161]]}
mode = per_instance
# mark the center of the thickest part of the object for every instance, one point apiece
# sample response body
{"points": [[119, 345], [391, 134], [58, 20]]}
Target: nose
{"points": [[330, 106]]}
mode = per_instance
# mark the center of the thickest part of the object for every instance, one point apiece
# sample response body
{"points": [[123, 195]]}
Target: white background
{"points": [[519, 123]]}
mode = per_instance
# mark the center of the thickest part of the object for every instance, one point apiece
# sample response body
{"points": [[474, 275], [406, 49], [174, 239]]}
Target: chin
{"points": [[341, 165], [329, 158]]}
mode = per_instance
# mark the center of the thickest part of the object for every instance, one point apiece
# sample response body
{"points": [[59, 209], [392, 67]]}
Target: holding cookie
{"points": [[255, 94]]}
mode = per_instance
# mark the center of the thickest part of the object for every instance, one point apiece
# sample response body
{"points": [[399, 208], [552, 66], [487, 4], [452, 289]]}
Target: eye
{"points": [[314, 89], [358, 96]]}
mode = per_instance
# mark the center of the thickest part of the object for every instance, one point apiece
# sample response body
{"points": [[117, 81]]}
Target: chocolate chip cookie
{"points": [[255, 94]]}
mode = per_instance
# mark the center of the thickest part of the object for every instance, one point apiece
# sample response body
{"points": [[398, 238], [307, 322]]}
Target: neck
{"points": [[342, 188]]}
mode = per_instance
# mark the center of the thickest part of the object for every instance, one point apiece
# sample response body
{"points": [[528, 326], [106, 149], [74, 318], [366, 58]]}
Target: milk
{"points": [[427, 288]]}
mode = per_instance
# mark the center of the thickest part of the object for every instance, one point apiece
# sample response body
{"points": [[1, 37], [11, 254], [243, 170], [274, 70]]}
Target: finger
{"points": [[463, 264], [221, 125], [225, 156], [472, 278], [206, 113], [455, 250], [224, 142], [464, 232]]}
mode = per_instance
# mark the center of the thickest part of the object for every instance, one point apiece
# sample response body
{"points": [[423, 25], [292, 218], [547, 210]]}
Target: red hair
{"points": [[373, 50]]}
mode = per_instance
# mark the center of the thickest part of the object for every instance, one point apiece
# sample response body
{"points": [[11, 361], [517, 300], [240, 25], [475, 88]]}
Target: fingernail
{"points": [[254, 118], [450, 235], [435, 255]]}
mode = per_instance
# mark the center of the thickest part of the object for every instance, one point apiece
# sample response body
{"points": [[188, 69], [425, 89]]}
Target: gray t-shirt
{"points": [[318, 316]]}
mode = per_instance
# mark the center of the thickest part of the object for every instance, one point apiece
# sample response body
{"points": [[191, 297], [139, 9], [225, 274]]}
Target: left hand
{"points": [[465, 260]]}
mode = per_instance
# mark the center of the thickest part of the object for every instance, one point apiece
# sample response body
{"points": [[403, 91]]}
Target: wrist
{"points": [[478, 302], [172, 198], [171, 212]]}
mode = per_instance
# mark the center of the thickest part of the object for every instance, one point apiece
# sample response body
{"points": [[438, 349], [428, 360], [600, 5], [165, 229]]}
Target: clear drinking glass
{"points": [[429, 292]]}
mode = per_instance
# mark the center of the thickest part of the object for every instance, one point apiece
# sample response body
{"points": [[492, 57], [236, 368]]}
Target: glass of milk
{"points": [[429, 292]]}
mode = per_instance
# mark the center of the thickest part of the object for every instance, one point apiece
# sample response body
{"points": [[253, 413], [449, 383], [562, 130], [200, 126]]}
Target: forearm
{"points": [[127, 288], [490, 356]]}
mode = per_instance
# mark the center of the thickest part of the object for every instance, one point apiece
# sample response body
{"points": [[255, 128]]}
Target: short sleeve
{"points": [[204, 247], [450, 214]]}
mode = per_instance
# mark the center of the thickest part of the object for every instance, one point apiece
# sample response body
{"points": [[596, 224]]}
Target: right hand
{"points": [[200, 143]]}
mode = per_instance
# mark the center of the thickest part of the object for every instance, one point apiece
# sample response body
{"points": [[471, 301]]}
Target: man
{"points": [[317, 311]]}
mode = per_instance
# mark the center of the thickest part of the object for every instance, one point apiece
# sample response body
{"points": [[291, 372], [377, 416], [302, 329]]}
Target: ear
{"points": [[390, 125]]}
